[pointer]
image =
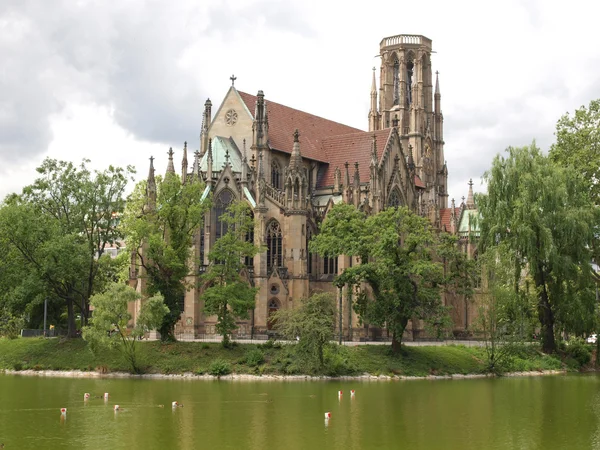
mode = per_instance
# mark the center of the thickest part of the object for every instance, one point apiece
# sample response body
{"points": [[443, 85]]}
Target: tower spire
{"points": [[296, 158], [209, 163], [184, 163], [151, 186], [170, 166], [373, 113], [470, 201]]}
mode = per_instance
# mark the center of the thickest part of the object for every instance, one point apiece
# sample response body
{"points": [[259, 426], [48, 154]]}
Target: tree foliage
{"points": [[578, 146], [109, 326], [313, 323], [542, 214], [227, 293], [66, 219], [400, 275], [161, 231]]}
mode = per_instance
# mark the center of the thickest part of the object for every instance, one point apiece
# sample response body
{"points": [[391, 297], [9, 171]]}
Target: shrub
{"points": [[255, 357], [219, 367], [579, 351]]}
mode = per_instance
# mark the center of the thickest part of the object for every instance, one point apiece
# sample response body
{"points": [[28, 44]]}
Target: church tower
{"points": [[407, 102]]}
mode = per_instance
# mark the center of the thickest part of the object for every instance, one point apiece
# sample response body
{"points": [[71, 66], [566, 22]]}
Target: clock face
{"points": [[231, 117]]}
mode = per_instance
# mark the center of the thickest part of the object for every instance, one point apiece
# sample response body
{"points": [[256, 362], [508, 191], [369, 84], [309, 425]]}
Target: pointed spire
{"points": [[470, 201], [206, 121], [170, 166], [184, 163], [411, 160], [209, 162], [374, 84], [437, 83], [347, 180], [196, 166], [261, 172], [373, 113], [356, 175], [151, 185], [296, 158], [337, 181], [374, 157], [244, 164]]}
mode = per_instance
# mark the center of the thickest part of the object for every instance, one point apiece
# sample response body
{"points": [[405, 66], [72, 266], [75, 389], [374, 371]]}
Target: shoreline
{"points": [[248, 377]]}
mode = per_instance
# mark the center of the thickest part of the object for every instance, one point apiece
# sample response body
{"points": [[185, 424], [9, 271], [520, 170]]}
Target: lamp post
{"points": [[45, 314]]}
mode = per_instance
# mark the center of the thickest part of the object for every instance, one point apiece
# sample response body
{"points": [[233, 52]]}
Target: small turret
{"points": [[337, 181], [170, 166], [206, 121], [470, 200], [184, 163], [151, 186], [244, 179], [209, 163], [356, 183], [373, 112]]}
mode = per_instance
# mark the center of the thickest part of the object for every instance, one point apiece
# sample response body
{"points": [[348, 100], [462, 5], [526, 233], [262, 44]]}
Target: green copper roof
{"points": [[220, 147], [467, 223]]}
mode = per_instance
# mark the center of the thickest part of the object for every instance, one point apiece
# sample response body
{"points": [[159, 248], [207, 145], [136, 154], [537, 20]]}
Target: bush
{"points": [[579, 351], [255, 357], [219, 367]]}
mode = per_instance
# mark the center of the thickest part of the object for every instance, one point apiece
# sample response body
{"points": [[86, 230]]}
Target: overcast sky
{"points": [[116, 84]]}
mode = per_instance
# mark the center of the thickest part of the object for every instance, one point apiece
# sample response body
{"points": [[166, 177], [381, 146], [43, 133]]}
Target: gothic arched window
{"points": [[275, 175], [394, 199], [409, 78], [274, 245], [396, 82], [222, 202]]}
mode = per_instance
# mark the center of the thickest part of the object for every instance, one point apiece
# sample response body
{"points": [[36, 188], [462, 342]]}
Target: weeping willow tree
{"points": [[542, 213]]}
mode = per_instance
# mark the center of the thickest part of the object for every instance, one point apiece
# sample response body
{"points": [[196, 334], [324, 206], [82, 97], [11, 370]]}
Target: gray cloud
{"points": [[124, 57]]}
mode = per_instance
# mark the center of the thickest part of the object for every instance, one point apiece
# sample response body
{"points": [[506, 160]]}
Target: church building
{"points": [[291, 167]]}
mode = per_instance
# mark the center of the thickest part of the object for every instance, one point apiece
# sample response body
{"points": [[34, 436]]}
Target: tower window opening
{"points": [[396, 82], [275, 175], [409, 77]]}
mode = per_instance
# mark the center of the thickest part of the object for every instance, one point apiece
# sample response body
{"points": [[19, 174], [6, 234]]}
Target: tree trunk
{"points": [[72, 328], [396, 343], [397, 335], [545, 314]]}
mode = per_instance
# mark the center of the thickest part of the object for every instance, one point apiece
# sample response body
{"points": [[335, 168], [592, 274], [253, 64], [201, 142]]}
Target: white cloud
{"points": [[117, 83]]}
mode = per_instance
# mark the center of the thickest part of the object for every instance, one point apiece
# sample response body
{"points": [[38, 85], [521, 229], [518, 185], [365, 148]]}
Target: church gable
{"points": [[232, 119]]}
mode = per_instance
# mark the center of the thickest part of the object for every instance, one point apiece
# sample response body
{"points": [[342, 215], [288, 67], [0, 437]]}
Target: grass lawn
{"points": [[268, 358]]}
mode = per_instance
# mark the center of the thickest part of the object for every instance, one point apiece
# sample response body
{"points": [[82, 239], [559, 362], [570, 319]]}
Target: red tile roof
{"points": [[355, 147], [419, 183], [283, 120], [445, 214]]}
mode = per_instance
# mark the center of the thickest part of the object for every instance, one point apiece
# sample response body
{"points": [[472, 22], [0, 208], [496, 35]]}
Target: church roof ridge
{"points": [[283, 120]]}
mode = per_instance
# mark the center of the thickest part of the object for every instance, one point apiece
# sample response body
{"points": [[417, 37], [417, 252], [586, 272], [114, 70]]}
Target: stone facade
{"points": [[292, 167]]}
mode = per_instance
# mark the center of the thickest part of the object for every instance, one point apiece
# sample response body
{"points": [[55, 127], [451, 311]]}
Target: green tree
{"points": [[313, 323], [401, 276], [161, 230], [109, 326], [227, 293], [48, 261], [578, 146], [543, 214], [506, 309]]}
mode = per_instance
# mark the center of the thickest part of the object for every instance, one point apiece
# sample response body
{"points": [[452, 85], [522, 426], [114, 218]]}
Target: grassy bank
{"points": [[268, 358]]}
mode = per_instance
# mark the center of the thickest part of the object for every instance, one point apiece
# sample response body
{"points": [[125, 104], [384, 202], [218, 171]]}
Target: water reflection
{"points": [[512, 413]]}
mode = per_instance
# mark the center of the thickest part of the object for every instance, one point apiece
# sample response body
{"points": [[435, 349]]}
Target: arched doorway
{"points": [[272, 307]]}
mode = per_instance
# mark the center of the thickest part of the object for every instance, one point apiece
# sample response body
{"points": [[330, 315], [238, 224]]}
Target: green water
{"points": [[557, 412]]}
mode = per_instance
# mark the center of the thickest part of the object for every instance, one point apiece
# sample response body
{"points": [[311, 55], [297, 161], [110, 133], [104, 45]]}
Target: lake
{"points": [[551, 412]]}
